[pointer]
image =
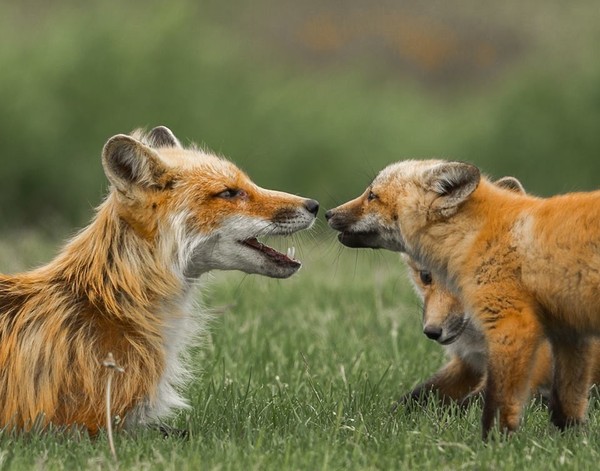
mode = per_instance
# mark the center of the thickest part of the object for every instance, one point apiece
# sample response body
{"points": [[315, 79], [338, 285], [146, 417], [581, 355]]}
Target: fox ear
{"points": [[453, 182], [510, 183], [128, 163], [162, 136]]}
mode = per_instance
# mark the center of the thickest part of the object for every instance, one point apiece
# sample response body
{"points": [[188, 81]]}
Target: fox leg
{"points": [[453, 382], [513, 337], [475, 393], [541, 377], [571, 381]]}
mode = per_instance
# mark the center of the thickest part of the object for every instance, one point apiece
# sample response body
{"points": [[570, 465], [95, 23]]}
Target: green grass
{"points": [[301, 374]]}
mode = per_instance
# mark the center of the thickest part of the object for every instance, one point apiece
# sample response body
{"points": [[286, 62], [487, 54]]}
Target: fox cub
{"points": [[464, 376], [525, 268], [445, 321], [125, 284]]}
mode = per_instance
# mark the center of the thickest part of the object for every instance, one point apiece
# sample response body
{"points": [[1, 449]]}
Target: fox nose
{"points": [[312, 206], [433, 332], [329, 214]]}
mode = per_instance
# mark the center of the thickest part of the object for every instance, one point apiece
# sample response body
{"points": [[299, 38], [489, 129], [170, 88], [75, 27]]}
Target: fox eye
{"points": [[372, 196], [231, 193], [425, 277]]}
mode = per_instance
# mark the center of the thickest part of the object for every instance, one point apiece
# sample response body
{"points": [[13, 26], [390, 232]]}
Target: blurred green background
{"points": [[311, 97]]}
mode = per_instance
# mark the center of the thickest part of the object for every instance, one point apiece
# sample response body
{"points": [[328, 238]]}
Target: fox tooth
{"points": [[291, 251]]}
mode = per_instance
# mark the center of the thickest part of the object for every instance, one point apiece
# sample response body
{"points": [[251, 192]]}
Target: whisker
{"points": [[238, 289]]}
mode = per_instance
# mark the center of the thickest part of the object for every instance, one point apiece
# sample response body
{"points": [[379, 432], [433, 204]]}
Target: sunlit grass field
{"points": [[301, 374]]}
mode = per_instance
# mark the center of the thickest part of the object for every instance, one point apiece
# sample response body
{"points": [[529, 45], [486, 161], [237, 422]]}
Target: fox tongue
{"points": [[270, 252]]}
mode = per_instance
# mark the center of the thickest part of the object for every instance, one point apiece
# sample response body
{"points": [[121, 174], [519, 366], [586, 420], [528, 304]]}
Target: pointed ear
{"points": [[510, 183], [162, 136], [453, 182], [128, 163]]}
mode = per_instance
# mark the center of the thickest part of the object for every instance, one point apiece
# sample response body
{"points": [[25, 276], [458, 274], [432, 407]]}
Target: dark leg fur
{"points": [[571, 382], [171, 432], [456, 381]]}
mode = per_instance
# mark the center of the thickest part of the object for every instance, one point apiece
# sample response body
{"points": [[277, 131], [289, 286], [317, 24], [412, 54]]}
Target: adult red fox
{"points": [[125, 284], [526, 269]]}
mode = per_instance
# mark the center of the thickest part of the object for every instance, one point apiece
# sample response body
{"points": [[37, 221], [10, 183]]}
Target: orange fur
{"points": [[464, 375], [446, 321], [125, 284], [527, 269]]}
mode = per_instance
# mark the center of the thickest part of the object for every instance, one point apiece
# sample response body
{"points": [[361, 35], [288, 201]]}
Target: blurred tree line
{"points": [[303, 106]]}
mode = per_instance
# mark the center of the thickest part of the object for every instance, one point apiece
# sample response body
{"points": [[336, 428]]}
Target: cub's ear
{"points": [[129, 163], [453, 182], [162, 136], [510, 183]]}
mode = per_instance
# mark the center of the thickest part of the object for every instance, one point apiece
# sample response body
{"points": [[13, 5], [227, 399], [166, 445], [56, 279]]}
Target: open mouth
{"points": [[285, 260]]}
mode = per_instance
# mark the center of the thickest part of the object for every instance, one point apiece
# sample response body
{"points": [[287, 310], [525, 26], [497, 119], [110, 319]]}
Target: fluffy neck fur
{"points": [[112, 291], [117, 271]]}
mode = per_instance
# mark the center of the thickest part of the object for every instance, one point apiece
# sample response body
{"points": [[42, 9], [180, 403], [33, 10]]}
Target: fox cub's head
{"points": [[198, 209], [444, 318], [401, 200]]}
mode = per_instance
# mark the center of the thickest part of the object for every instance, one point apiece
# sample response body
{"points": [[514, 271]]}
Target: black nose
{"points": [[433, 332], [312, 206], [329, 214]]}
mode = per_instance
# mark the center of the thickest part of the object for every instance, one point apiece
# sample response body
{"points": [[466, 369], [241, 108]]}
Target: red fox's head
{"points": [[401, 200], [198, 209]]}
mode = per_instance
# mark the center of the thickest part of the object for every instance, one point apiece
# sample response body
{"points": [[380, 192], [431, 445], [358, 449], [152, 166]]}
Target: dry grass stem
{"points": [[109, 362]]}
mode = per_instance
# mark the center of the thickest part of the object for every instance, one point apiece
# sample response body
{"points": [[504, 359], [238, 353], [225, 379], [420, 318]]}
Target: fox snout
{"points": [[344, 222], [433, 332], [357, 230], [312, 206], [447, 333], [338, 220], [303, 212]]}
